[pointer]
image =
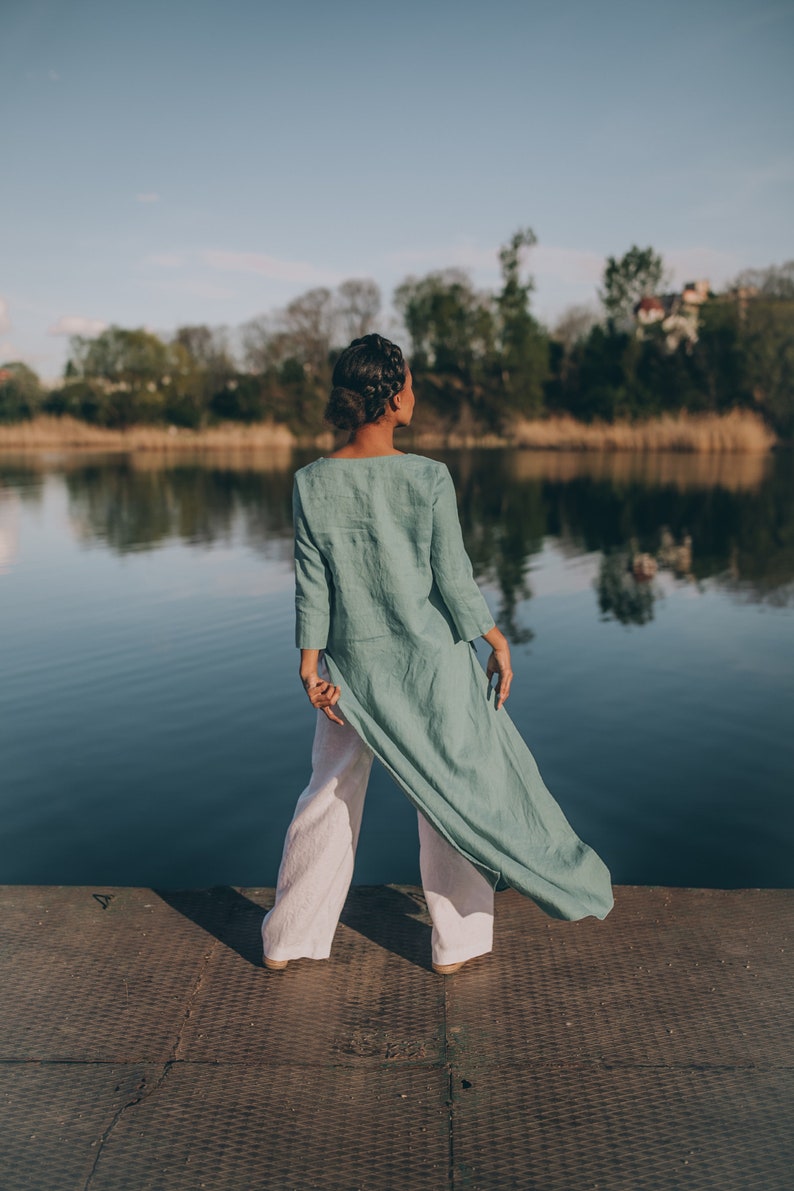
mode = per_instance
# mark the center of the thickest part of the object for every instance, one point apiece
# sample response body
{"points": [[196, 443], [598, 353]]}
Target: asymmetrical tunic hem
{"points": [[385, 588]]}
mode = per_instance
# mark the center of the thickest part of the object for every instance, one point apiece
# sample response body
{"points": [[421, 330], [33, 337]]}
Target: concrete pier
{"points": [[144, 1048]]}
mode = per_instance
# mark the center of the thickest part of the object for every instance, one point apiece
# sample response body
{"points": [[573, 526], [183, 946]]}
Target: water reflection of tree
{"points": [[18, 477], [740, 537], [620, 594], [745, 536], [129, 507], [503, 526]]}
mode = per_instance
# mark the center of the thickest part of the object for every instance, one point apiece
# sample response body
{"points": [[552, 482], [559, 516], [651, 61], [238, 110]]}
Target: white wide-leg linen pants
{"points": [[319, 852]]}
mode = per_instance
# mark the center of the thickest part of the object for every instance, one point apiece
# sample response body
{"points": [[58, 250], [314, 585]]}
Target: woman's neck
{"points": [[372, 439]]}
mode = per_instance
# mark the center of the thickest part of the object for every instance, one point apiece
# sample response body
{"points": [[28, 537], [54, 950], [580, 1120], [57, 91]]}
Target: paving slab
{"points": [[673, 976], [243, 1128], [102, 974], [633, 1129], [143, 1046], [54, 1118], [388, 1009]]}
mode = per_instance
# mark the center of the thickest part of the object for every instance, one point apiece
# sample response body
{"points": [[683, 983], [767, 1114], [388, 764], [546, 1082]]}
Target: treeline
{"points": [[480, 358]]}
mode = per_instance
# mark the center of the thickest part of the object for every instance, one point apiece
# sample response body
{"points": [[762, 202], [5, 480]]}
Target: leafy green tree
{"points": [[21, 392], [243, 399], [719, 362], [452, 329], [128, 368], [524, 345], [120, 356], [596, 382], [200, 366], [76, 398], [638, 274], [768, 345], [450, 324]]}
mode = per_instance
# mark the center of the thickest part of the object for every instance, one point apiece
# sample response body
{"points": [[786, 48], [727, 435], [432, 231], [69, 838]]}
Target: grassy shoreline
{"points": [[737, 430]]}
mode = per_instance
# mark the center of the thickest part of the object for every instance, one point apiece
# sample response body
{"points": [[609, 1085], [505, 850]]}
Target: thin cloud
{"points": [[165, 260], [147, 196], [76, 324], [5, 321], [195, 288], [53, 76], [459, 256], [268, 266]]}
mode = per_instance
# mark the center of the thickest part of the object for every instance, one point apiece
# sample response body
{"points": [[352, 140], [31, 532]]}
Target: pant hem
{"points": [[460, 955], [280, 954]]}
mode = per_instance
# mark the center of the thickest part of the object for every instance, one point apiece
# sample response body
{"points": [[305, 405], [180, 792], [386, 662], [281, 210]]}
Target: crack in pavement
{"points": [[141, 1093]]}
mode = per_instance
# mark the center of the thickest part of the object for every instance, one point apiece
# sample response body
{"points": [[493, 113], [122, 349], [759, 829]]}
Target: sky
{"points": [[176, 162]]}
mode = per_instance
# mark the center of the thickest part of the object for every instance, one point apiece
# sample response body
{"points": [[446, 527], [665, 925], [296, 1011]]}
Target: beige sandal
{"points": [[274, 965], [448, 969]]}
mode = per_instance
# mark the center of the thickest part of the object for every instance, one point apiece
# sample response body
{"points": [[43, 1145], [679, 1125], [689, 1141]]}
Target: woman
{"points": [[386, 614]]}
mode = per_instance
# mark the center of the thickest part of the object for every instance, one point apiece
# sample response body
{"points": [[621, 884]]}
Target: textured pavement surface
{"points": [[144, 1048]]}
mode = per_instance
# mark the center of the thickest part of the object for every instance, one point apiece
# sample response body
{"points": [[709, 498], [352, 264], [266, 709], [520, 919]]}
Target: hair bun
{"points": [[345, 408]]}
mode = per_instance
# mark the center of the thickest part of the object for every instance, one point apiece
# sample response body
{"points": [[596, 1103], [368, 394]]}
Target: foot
{"points": [[448, 969], [274, 965]]}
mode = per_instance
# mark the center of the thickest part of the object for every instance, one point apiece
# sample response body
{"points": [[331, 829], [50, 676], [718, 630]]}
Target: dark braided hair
{"points": [[366, 376]]}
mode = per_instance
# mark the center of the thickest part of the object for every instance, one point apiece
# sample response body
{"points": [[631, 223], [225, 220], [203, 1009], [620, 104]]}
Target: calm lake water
{"points": [[153, 730]]}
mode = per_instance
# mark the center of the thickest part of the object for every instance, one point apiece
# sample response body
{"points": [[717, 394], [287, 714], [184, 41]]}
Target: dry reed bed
{"points": [[739, 430], [48, 432], [736, 431]]}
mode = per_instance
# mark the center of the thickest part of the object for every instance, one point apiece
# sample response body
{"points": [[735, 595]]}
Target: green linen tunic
{"points": [[383, 585]]}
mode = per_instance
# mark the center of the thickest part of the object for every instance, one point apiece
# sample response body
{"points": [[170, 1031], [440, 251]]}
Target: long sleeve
{"points": [[312, 584], [451, 565]]}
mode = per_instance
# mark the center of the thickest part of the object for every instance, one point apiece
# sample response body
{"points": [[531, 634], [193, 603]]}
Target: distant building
{"points": [[677, 313], [649, 310], [695, 293], [681, 327]]}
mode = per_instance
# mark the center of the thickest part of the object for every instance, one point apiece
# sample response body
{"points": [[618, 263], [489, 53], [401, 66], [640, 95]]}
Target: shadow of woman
{"points": [[387, 915], [226, 913], [393, 918]]}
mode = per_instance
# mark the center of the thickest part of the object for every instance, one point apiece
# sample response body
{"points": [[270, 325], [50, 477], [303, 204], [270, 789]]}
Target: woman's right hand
{"points": [[322, 695], [499, 663]]}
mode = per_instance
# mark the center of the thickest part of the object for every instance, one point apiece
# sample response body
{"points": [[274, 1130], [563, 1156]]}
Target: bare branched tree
{"points": [[357, 308], [574, 324], [307, 328], [256, 339], [776, 281]]}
